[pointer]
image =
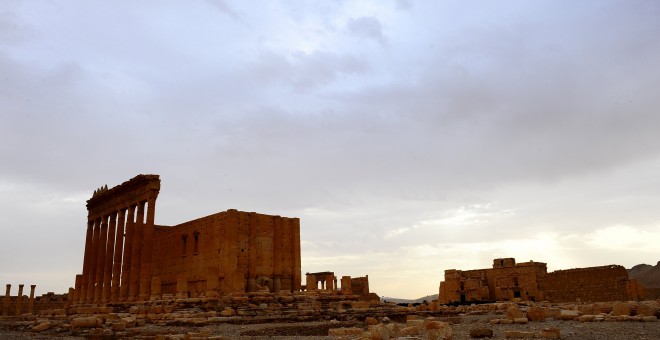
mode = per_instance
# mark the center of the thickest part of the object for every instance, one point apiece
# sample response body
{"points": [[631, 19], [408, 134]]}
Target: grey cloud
{"points": [[404, 4], [305, 71], [367, 28], [223, 7]]}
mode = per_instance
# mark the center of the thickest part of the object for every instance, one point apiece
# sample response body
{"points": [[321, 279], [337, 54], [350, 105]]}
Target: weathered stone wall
{"points": [[529, 281], [360, 285], [43, 302], [464, 286], [242, 250], [651, 293], [606, 283], [519, 281], [505, 281]]}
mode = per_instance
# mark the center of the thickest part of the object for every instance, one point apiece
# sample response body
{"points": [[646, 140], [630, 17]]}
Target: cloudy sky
{"points": [[409, 136]]}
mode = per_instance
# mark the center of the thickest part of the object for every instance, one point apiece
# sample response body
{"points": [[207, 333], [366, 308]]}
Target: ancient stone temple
{"points": [[530, 281], [130, 258]]}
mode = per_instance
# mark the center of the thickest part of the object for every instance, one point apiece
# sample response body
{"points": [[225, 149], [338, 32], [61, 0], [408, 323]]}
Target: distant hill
{"points": [[428, 298], [646, 274]]}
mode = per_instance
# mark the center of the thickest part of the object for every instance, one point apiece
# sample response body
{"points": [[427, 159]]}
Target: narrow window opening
{"points": [[196, 235], [184, 239]]}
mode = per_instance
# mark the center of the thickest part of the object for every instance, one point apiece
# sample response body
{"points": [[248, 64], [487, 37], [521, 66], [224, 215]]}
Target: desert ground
{"points": [[601, 327]]}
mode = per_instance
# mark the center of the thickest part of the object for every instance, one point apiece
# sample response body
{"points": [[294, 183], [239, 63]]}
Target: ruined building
{"points": [[530, 281], [349, 285], [130, 258]]}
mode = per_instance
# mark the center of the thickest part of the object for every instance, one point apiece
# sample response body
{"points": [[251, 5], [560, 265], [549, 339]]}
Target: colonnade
{"points": [[119, 243], [19, 301]]}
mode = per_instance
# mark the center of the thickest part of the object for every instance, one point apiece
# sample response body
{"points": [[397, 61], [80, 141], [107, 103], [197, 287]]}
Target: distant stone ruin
{"points": [[530, 281], [22, 304]]}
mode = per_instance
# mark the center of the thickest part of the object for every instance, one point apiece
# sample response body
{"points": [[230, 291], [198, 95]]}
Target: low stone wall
{"points": [[605, 283]]}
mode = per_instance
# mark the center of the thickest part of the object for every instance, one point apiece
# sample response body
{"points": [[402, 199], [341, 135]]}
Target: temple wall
{"points": [[360, 285], [239, 248], [530, 281], [129, 258], [606, 283], [519, 281]]}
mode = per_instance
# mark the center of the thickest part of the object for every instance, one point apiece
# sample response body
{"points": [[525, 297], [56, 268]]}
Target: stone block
{"points": [[342, 332], [550, 333], [437, 325], [621, 308], [86, 322], [481, 332], [587, 309], [535, 313], [394, 328], [519, 335], [551, 313], [129, 321], [370, 321], [228, 312], [440, 331], [586, 318], [520, 320], [419, 323], [514, 312], [379, 331], [409, 331], [567, 314], [648, 308], [41, 327]]}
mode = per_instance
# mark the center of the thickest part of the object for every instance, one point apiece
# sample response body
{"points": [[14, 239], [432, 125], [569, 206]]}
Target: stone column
{"points": [[19, 300], [5, 307], [31, 304], [100, 260], [128, 252], [134, 288], [346, 285], [78, 288], [82, 294], [109, 252], [116, 268], [252, 252], [91, 280], [69, 297], [295, 241], [311, 282], [329, 282], [147, 250]]}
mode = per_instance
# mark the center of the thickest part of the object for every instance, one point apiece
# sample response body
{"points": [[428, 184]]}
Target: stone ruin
{"points": [[327, 281], [530, 281], [129, 258], [22, 304]]}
